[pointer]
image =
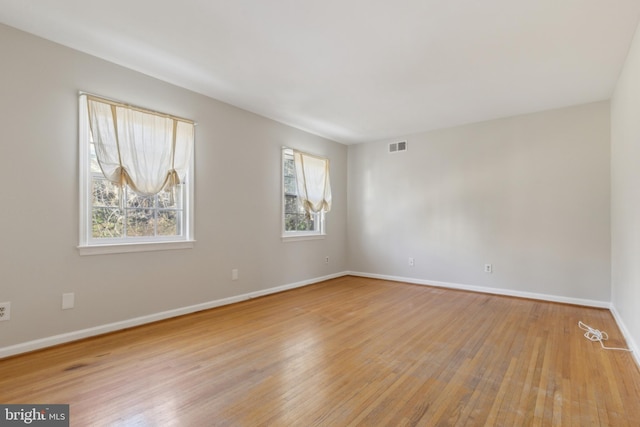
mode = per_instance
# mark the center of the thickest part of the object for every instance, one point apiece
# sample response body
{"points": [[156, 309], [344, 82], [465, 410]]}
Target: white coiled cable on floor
{"points": [[595, 335]]}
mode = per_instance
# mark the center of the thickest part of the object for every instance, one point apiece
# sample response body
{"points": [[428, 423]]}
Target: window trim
{"points": [[292, 236], [89, 246]]}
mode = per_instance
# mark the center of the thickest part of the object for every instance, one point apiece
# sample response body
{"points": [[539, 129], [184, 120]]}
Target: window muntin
{"points": [[112, 216], [296, 221]]}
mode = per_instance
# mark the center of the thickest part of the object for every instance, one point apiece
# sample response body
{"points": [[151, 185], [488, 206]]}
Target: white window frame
{"points": [[319, 218], [92, 246]]}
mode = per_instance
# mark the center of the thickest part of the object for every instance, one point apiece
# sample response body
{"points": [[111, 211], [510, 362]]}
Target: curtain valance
{"points": [[145, 150], [314, 186]]}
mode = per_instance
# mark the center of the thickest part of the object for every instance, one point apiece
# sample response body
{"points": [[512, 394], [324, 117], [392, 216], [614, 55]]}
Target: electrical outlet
{"points": [[412, 262], [5, 311], [326, 260], [488, 268], [234, 274]]}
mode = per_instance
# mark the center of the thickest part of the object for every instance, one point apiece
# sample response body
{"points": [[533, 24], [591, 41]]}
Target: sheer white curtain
{"points": [[314, 186], [147, 151]]}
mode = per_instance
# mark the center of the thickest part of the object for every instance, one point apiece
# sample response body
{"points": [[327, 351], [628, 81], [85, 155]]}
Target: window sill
{"points": [[122, 248], [303, 237]]}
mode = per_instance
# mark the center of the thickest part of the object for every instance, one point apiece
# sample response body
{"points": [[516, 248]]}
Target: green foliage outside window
{"points": [[138, 216]]}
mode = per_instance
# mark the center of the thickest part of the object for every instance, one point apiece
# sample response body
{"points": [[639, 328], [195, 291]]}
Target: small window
{"points": [[122, 209], [297, 221]]}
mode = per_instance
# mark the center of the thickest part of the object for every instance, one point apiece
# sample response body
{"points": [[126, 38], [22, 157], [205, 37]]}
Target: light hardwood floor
{"points": [[349, 351]]}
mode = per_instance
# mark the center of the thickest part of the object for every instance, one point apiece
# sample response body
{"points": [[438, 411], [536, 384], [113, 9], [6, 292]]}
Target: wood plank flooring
{"points": [[349, 351]]}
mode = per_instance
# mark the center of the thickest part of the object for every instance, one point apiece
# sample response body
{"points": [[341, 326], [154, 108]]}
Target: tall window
{"points": [[306, 194], [136, 170]]}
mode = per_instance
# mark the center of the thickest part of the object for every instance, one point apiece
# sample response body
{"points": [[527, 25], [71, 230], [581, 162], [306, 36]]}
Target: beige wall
{"points": [[625, 196], [238, 200], [527, 194]]}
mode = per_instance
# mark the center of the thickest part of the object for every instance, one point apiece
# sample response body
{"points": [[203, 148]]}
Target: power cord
{"points": [[596, 335]]}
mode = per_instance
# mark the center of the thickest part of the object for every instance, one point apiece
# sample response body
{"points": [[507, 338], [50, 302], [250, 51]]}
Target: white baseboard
{"points": [[116, 326], [112, 327], [627, 336], [485, 290]]}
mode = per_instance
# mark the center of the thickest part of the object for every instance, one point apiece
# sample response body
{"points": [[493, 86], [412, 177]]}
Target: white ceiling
{"points": [[356, 70]]}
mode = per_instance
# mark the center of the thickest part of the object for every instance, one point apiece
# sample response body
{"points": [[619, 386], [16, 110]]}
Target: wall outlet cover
{"points": [[68, 300]]}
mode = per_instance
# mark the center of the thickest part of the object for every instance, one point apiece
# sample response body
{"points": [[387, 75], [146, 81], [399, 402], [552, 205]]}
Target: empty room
{"points": [[320, 213]]}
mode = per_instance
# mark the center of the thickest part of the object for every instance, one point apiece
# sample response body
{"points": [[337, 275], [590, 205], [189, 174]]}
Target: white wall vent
{"points": [[395, 147]]}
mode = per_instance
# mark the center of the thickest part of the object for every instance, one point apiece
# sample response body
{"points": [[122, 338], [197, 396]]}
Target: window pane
{"points": [[164, 198], [135, 201], [140, 222], [104, 193], [290, 222], [298, 222], [107, 222], [296, 219], [168, 223], [291, 204]]}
